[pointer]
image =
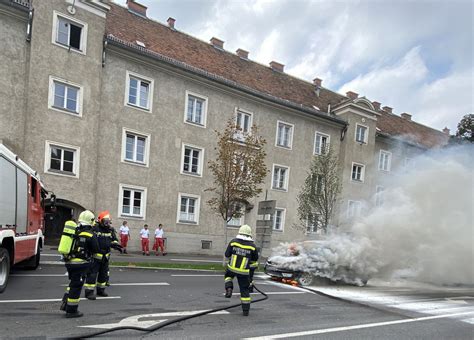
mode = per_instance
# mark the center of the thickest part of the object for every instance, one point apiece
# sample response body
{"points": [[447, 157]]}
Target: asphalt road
{"points": [[139, 297]]}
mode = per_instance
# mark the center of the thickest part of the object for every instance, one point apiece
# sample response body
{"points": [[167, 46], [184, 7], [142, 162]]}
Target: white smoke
{"points": [[424, 227]]}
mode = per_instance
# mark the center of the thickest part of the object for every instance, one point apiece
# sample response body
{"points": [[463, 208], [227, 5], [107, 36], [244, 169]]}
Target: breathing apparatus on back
{"points": [[71, 231]]}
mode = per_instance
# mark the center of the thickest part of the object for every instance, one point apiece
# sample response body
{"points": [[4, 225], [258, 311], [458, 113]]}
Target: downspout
{"points": [[29, 26]]}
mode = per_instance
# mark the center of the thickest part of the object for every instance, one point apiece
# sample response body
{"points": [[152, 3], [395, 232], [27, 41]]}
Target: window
{"points": [[192, 160], [132, 201], [65, 96], [280, 177], [139, 91], [313, 224], [354, 209], [188, 209], [279, 219], [284, 137], [358, 172], [135, 147], [69, 33], [237, 221], [195, 109], [243, 121], [321, 143], [361, 134], [385, 160], [62, 159], [379, 195]]}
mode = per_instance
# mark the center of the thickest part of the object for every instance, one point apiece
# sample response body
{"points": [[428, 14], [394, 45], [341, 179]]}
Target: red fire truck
{"points": [[22, 196]]}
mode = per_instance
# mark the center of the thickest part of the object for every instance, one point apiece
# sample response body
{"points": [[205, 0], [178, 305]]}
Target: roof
{"points": [[395, 126], [127, 28]]}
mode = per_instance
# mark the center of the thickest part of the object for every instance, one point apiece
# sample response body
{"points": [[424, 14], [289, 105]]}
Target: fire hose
{"points": [[166, 323]]}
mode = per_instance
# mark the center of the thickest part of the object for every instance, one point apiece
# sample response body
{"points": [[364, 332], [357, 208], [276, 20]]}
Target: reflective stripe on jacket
{"points": [[241, 254]]}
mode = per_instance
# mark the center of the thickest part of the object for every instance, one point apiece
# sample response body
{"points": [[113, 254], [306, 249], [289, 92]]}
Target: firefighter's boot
{"points": [[72, 312], [64, 303], [101, 292], [245, 309], [228, 293], [90, 294], [75, 314]]}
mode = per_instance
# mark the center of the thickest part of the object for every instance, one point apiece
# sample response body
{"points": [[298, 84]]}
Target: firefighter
{"points": [[241, 253], [78, 261], [99, 273]]}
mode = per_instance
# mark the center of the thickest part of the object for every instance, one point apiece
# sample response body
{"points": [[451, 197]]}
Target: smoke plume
{"points": [[424, 229]]}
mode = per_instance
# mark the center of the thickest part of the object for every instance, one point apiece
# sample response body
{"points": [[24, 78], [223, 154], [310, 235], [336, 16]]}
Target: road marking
{"points": [[459, 299], [135, 320], [39, 275], [284, 285], [52, 262], [55, 300], [57, 255], [274, 293], [197, 275], [137, 284], [347, 328], [189, 260]]}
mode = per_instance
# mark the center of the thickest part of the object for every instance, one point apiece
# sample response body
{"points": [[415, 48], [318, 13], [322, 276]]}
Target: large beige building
{"points": [[117, 111]]}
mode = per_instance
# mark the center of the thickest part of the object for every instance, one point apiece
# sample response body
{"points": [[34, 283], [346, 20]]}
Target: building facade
{"points": [[119, 112]]}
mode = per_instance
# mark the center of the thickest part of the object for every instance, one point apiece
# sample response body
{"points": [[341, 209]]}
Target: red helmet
{"points": [[104, 215]]}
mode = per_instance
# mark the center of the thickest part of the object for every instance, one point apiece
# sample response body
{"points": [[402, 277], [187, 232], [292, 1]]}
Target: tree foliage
{"points": [[239, 169], [320, 191], [465, 128]]}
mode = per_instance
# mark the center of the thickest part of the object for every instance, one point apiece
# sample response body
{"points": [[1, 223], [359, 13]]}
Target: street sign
{"points": [[266, 207]]}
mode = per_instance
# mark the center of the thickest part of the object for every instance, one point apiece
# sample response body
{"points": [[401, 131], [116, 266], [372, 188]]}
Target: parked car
{"points": [[310, 261]]}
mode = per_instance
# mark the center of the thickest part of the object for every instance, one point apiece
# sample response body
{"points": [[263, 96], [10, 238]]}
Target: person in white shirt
{"points": [[124, 236], [159, 241], [145, 235]]}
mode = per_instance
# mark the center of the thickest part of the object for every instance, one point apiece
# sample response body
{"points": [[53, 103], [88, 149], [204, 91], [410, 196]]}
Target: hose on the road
{"points": [[166, 323]]}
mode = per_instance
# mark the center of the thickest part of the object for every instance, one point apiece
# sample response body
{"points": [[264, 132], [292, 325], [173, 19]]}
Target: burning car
{"points": [[325, 260]]}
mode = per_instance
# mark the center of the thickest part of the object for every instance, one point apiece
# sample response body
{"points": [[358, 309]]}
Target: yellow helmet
{"points": [[245, 230], [86, 218]]}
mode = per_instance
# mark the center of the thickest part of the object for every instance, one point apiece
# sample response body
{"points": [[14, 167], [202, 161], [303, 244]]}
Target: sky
{"points": [[413, 56]]}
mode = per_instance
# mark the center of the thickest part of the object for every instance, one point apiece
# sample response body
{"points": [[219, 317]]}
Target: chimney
{"points": [[446, 131], [352, 95], [242, 53], [387, 109], [317, 82], [136, 8], [376, 105], [217, 43], [171, 22], [277, 66], [406, 116]]}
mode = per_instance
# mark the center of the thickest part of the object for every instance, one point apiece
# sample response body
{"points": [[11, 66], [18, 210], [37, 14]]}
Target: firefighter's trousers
{"points": [[98, 275], [244, 283], [77, 273]]}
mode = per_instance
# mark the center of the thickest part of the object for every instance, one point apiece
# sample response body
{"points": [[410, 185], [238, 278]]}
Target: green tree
{"points": [[239, 170], [320, 191], [466, 128]]}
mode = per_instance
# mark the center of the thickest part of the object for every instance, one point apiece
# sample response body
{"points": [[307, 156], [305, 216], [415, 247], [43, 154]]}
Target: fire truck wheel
{"points": [[4, 268], [33, 262]]}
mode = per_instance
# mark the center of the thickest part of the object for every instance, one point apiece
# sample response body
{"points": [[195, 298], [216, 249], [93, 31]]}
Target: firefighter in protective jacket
{"points": [[99, 273], [78, 261], [243, 259]]}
